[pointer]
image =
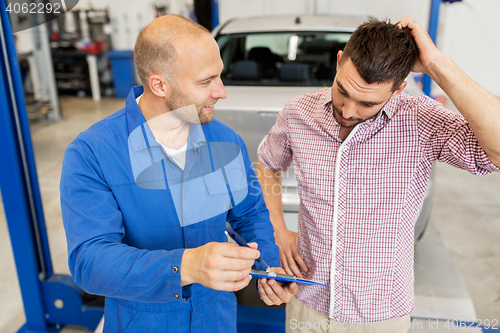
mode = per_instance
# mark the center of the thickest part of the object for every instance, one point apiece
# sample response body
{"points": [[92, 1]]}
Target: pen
{"points": [[241, 242]]}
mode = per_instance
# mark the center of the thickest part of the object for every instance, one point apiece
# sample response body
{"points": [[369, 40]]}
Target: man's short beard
{"points": [[186, 109], [336, 113]]}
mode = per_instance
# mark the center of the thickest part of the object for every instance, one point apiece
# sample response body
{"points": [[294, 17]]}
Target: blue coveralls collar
{"points": [[135, 119], [132, 111]]}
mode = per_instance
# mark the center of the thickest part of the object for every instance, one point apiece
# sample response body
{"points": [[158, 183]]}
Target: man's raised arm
{"points": [[476, 104]]}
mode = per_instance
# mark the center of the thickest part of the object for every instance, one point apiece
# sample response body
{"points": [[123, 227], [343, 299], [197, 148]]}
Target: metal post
{"points": [[433, 27], [16, 176], [45, 67], [215, 13], [94, 77]]}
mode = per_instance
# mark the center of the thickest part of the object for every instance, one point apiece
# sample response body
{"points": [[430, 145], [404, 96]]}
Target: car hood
{"points": [[259, 98]]}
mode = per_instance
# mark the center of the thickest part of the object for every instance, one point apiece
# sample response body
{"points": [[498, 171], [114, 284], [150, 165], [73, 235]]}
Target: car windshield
{"points": [[281, 58]]}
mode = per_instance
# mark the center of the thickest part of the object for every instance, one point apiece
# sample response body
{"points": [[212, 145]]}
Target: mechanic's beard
{"points": [[187, 114], [186, 110], [205, 119]]}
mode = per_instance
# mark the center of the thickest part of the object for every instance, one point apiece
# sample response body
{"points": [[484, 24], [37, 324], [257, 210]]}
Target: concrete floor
{"points": [[466, 218]]}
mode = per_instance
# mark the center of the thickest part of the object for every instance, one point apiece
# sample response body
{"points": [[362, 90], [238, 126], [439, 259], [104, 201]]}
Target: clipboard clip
{"points": [[284, 278]]}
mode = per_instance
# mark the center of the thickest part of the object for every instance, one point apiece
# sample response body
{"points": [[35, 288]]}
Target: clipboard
{"points": [[284, 278]]}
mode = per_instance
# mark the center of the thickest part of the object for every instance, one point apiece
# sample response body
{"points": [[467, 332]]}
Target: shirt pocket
{"points": [[201, 198], [237, 179], [215, 183], [216, 205], [218, 315], [135, 321]]}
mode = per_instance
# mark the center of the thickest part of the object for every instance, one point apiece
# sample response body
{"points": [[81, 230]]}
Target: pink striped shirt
{"points": [[360, 198]]}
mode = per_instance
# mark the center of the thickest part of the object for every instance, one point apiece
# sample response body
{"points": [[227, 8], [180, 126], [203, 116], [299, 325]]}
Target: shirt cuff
{"points": [[173, 279]]}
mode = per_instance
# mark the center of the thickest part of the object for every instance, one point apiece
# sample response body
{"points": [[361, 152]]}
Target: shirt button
{"points": [[176, 296], [175, 269]]}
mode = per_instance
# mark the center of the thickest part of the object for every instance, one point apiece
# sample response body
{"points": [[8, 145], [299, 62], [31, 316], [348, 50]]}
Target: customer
{"points": [[363, 153], [147, 191]]}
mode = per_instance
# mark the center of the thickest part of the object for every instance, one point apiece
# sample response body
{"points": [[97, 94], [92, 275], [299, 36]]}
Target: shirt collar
{"points": [[327, 96], [196, 136], [390, 108], [132, 111]]}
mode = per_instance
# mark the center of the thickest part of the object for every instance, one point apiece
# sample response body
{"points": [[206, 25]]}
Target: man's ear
{"points": [[399, 90], [159, 86], [339, 56]]}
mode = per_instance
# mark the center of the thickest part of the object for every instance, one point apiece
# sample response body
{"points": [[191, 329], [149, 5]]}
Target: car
{"points": [[270, 59]]}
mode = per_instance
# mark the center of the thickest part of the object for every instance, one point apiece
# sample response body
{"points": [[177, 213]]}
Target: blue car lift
{"points": [[433, 27], [215, 13], [50, 300]]}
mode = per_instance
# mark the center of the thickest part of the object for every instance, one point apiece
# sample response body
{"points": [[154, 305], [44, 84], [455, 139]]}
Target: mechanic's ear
{"points": [[159, 86], [339, 56], [399, 90]]}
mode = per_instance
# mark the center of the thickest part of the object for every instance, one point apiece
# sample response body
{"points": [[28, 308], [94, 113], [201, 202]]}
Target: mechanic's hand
{"points": [[276, 293], [220, 266], [428, 52], [285, 239]]}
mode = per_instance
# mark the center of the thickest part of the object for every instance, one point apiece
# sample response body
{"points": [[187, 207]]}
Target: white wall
{"points": [[470, 36], [468, 30], [129, 17], [229, 9], [392, 9]]}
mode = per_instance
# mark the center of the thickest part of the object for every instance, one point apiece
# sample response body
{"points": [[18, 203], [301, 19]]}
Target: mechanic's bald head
{"points": [[155, 48]]}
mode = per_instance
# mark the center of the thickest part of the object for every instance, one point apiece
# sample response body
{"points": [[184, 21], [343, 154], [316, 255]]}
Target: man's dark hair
{"points": [[381, 52]]}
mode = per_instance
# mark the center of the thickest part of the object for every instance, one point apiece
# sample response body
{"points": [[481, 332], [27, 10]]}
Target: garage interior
{"points": [[457, 262]]}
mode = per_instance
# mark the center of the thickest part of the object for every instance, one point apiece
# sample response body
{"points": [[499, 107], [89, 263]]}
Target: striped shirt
{"points": [[360, 198]]}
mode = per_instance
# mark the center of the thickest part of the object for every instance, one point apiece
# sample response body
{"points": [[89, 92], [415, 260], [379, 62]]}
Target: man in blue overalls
{"points": [[146, 194]]}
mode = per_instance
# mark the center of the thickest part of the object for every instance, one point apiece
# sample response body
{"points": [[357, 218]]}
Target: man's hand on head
{"points": [[428, 52], [219, 266]]}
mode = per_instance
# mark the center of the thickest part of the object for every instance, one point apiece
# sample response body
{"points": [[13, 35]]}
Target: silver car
{"points": [[270, 59]]}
